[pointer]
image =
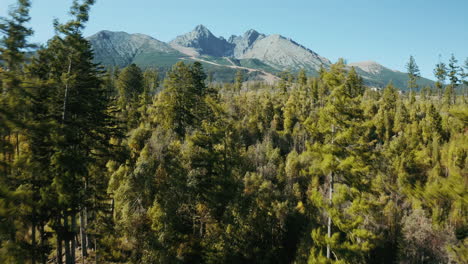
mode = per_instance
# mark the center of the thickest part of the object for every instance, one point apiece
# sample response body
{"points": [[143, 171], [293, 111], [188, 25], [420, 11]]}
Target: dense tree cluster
{"points": [[117, 166]]}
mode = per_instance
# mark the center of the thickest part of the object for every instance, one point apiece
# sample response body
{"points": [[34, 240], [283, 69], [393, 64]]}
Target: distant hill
{"points": [[260, 56], [377, 75]]}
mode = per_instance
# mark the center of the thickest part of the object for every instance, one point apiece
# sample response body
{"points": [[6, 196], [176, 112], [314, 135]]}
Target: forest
{"points": [[109, 165]]}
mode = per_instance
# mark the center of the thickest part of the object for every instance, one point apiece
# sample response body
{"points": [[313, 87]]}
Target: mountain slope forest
{"points": [[120, 166]]}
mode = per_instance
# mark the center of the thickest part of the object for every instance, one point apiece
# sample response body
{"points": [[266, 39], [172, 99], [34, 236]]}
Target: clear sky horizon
{"points": [[385, 31]]}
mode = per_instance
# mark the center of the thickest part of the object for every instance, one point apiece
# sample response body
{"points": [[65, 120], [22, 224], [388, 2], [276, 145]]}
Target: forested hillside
{"points": [[118, 166]]}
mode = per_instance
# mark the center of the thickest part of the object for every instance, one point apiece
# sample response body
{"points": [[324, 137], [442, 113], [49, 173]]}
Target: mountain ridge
{"points": [[255, 52]]}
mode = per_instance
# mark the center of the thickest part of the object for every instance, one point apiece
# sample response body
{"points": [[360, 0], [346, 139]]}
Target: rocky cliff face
{"points": [[204, 42], [282, 53], [258, 52], [245, 42], [120, 48]]}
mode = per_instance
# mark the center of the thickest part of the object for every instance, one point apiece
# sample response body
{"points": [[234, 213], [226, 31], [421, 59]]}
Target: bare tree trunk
{"points": [[73, 239], [33, 242], [42, 234], [329, 224], [330, 197], [65, 99], [17, 144], [59, 248], [67, 241], [84, 244], [95, 251]]}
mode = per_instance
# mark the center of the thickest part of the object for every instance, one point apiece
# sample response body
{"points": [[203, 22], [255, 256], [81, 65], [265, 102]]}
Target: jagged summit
{"points": [[201, 30], [120, 48], [245, 42], [252, 50], [204, 42], [369, 66]]}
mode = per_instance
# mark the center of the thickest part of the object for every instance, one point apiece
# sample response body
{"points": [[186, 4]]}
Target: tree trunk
{"points": [[17, 145], [73, 239], [67, 241], [42, 236], [84, 244], [65, 99], [329, 224], [33, 241], [330, 197], [59, 249], [95, 251]]}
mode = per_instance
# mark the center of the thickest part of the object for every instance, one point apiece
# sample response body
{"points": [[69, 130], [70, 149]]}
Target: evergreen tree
{"points": [[302, 78], [440, 72], [78, 107], [130, 84], [17, 201], [454, 78], [239, 79], [343, 156], [413, 74]]}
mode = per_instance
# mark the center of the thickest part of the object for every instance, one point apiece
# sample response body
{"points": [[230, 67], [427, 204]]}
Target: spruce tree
{"points": [[440, 72], [344, 163], [238, 80], [453, 75], [78, 107], [413, 74]]}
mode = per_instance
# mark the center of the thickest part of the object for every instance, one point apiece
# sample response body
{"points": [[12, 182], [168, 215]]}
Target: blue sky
{"points": [[386, 31]]}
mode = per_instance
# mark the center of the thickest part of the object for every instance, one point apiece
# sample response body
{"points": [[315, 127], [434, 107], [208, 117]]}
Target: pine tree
{"points": [[440, 72], [78, 107], [302, 78], [132, 96], [239, 79], [17, 199], [454, 78], [130, 85], [344, 160], [182, 100], [413, 74]]}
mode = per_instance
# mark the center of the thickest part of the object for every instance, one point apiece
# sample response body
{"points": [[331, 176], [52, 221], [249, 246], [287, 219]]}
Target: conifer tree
{"points": [[130, 84], [343, 155], [78, 106], [413, 74], [302, 78], [440, 72], [17, 202], [453, 75], [239, 79]]}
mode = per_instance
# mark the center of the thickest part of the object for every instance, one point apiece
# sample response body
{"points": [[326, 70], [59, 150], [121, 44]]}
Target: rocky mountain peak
{"points": [[120, 48], [201, 30], [204, 42], [371, 67], [245, 42]]}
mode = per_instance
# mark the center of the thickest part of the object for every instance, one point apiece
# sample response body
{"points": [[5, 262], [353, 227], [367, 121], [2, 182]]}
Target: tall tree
{"points": [[440, 72], [238, 80], [16, 199], [413, 74], [343, 156], [78, 105], [453, 75]]}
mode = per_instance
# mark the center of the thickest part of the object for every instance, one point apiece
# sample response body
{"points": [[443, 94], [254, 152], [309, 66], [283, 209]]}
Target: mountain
{"points": [[121, 49], [204, 43], [275, 50], [258, 55], [245, 42], [377, 75], [283, 53]]}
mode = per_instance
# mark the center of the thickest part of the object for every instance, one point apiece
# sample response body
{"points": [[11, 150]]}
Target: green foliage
{"points": [[413, 74], [130, 169]]}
